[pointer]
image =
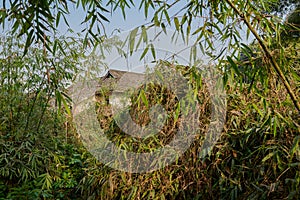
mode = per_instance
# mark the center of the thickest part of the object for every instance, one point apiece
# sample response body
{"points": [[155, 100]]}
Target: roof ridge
{"points": [[123, 71]]}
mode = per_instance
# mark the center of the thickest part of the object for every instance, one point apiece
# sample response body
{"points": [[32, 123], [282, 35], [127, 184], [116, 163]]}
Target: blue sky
{"points": [[134, 18]]}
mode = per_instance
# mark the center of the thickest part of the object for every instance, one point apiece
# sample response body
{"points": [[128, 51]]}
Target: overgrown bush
{"points": [[39, 156], [257, 156]]}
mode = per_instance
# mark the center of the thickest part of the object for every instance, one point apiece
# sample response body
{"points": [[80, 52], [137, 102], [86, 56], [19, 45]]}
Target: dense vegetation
{"points": [[257, 157]]}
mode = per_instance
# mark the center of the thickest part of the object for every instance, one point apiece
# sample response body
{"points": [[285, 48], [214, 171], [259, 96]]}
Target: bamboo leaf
{"points": [[144, 34], [28, 41], [167, 17], [163, 28], [156, 21], [102, 17], [275, 126], [132, 39], [233, 65], [144, 98], [176, 21], [144, 52], [267, 157], [153, 51]]}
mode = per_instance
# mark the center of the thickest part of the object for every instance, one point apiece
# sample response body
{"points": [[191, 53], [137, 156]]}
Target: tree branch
{"points": [[268, 55]]}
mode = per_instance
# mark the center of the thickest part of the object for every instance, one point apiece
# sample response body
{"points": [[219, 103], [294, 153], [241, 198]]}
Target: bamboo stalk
{"points": [[268, 55]]}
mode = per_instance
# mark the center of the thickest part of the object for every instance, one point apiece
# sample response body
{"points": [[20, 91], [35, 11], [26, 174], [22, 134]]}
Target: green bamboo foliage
{"points": [[257, 156]]}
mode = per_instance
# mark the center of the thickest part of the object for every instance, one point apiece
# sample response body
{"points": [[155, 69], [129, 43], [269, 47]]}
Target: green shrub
{"points": [[40, 156], [256, 157]]}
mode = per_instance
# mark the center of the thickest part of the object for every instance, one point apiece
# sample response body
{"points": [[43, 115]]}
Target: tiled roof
{"points": [[117, 81], [121, 80]]}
